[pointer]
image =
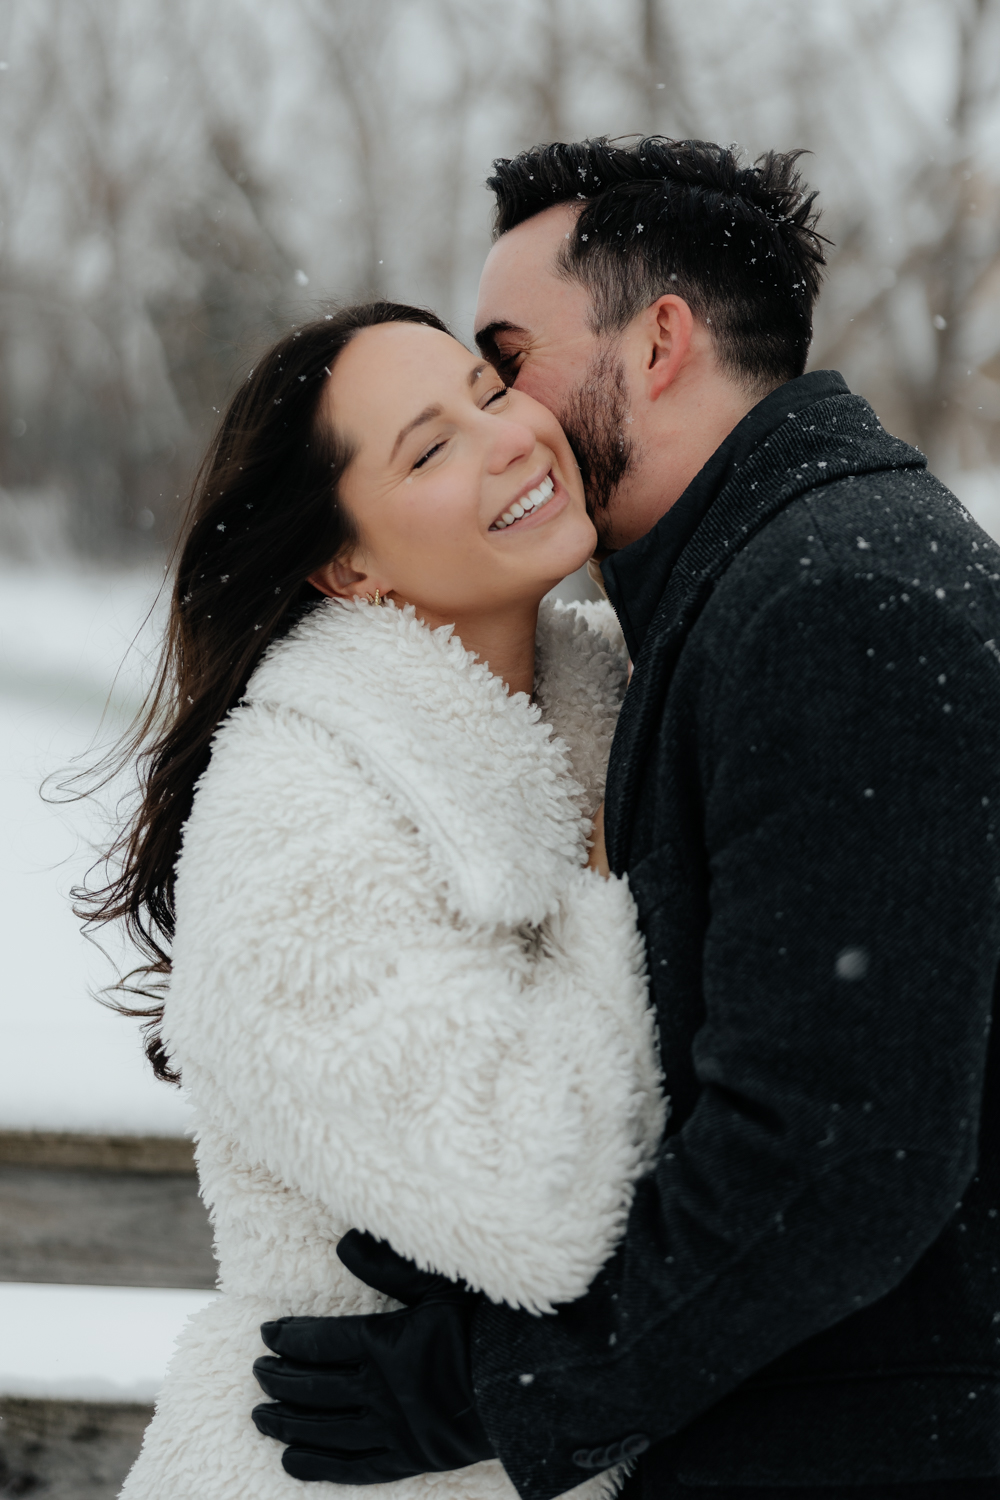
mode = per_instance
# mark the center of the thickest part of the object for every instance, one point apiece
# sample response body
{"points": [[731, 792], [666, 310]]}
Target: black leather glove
{"points": [[362, 1400]]}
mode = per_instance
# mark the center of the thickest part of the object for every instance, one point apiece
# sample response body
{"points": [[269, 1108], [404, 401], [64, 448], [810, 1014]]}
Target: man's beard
{"points": [[596, 420]]}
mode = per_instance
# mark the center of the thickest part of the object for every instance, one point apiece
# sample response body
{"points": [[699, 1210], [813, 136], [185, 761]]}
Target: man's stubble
{"points": [[596, 421]]}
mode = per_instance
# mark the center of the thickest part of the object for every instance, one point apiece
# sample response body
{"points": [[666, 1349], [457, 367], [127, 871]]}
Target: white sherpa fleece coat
{"points": [[399, 1003]]}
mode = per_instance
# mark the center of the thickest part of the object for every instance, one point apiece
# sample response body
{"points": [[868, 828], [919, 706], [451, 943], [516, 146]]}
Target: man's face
{"points": [[533, 325]]}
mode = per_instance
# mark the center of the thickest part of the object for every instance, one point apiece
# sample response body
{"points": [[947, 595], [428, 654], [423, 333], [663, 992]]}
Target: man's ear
{"points": [[338, 580], [669, 326]]}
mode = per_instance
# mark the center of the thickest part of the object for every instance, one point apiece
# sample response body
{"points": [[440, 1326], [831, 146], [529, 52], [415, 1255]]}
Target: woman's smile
{"points": [[530, 502]]}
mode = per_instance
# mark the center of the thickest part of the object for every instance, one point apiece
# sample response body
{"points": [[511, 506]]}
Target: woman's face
{"points": [[466, 496]]}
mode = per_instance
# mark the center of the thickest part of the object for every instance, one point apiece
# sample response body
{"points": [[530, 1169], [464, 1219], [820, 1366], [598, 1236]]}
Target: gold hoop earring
{"points": [[375, 598]]}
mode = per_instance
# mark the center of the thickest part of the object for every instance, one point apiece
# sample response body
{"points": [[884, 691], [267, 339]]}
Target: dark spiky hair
{"points": [[736, 240]]}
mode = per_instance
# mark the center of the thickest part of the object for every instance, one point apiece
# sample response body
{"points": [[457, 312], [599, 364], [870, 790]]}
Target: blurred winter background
{"points": [[180, 182]]}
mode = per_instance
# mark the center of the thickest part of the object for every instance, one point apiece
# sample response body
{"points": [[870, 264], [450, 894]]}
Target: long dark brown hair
{"points": [[263, 515]]}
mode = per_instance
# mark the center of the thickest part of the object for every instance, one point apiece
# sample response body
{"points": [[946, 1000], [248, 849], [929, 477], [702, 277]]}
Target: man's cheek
{"points": [[543, 383]]}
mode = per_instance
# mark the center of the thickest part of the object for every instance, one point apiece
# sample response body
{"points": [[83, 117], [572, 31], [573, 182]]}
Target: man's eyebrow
{"points": [[427, 415], [486, 338]]}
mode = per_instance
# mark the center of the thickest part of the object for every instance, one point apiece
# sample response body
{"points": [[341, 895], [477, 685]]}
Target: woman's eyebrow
{"points": [[427, 415], [430, 412]]}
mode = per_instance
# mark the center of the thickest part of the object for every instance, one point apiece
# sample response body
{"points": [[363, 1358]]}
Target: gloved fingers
{"points": [[345, 1432], [346, 1468], [319, 1341], [377, 1264], [305, 1385]]}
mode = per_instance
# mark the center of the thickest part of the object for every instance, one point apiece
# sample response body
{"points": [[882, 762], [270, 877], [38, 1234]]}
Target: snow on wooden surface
{"points": [[96, 1343]]}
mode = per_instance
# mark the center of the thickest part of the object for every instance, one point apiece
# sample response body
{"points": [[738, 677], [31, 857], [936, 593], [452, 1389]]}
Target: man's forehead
{"points": [[521, 268]]}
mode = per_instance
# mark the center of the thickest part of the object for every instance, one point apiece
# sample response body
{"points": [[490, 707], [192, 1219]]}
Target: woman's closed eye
{"points": [[429, 453]]}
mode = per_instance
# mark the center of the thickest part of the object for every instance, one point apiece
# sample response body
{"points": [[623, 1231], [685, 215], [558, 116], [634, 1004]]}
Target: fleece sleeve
{"points": [[482, 1098], [851, 781]]}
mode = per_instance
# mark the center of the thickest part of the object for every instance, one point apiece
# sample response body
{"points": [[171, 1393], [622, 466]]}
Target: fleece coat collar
{"points": [[505, 799]]}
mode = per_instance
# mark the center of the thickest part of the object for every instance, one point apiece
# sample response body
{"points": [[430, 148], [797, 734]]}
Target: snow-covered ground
{"points": [[68, 682], [89, 1343]]}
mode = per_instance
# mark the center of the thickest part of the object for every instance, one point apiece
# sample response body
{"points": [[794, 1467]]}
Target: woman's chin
{"points": [[577, 549], [558, 575]]}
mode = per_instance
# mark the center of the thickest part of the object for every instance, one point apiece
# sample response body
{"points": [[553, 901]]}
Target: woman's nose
{"points": [[510, 442]]}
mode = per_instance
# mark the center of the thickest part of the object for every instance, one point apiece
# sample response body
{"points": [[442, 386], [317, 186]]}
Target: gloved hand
{"points": [[362, 1400]]}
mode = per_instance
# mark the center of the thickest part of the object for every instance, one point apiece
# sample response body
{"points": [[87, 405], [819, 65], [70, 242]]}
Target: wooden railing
{"points": [[107, 1210]]}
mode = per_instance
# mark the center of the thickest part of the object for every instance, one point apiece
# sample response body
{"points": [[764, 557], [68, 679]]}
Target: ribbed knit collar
{"points": [[637, 576]]}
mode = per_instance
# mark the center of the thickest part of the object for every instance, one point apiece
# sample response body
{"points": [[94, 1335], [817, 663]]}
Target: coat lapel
{"points": [[829, 441]]}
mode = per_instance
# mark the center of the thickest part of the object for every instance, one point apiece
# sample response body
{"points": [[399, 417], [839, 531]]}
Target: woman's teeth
{"points": [[523, 507]]}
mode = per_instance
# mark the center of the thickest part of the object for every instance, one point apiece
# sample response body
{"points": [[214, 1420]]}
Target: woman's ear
{"points": [[338, 580]]}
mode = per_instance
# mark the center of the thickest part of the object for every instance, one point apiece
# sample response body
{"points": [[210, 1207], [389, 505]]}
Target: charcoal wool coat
{"points": [[804, 790], [399, 1003]]}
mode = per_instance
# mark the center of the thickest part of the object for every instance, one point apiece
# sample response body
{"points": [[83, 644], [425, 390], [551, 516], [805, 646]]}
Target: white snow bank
{"points": [[71, 636], [66, 1062], [89, 1343]]}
